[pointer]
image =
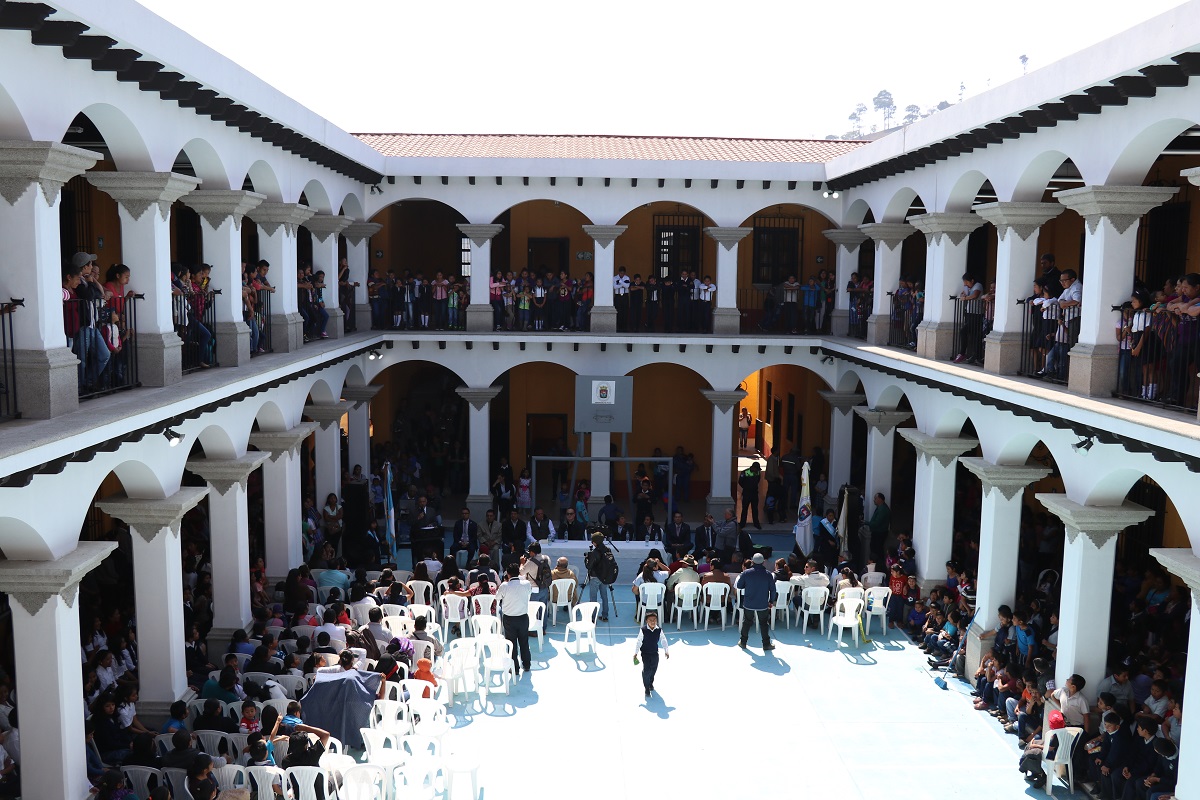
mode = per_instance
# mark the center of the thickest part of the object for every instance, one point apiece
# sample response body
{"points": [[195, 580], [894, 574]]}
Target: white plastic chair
{"points": [[443, 586], [237, 746], [398, 626], [461, 672], [337, 765], [487, 605], [687, 600], [878, 598], [423, 649], [323, 593], [376, 739], [739, 609], [716, 598], [304, 781], [846, 616], [486, 625], [415, 687], [242, 660], [454, 612], [162, 743], [871, 579], [422, 610], [393, 610], [360, 613], [428, 718], [812, 604], [231, 776], [583, 625], [422, 593], [388, 715], [195, 707], [496, 660], [211, 741], [537, 620], [852, 593], [292, 685], [783, 605], [260, 678], [363, 782], [305, 630], [651, 597], [421, 748], [415, 782], [138, 780], [263, 778], [1062, 760], [560, 597], [178, 780]]}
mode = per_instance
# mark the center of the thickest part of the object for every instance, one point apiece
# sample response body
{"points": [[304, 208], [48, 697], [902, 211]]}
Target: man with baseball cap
{"points": [[758, 600]]}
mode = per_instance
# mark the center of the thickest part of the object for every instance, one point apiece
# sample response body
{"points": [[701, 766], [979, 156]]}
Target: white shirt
{"points": [[1074, 707], [621, 284], [813, 580], [514, 597], [707, 290]]}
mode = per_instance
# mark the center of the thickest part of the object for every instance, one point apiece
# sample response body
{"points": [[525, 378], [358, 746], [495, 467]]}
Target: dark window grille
{"points": [[679, 243], [262, 321], [92, 332], [778, 242], [195, 319], [8, 368]]}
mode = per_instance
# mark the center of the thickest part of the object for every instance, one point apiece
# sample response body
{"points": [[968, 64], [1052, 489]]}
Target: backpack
{"points": [[605, 567], [543, 572]]}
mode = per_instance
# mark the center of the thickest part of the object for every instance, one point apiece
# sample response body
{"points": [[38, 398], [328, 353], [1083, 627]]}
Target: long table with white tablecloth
{"points": [[629, 555]]}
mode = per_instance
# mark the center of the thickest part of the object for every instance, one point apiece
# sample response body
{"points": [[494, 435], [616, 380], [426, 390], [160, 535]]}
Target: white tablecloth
{"points": [[629, 557]]}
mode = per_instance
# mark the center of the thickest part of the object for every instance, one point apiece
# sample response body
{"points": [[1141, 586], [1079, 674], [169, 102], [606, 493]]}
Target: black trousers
{"points": [[649, 667], [764, 624], [516, 630]]}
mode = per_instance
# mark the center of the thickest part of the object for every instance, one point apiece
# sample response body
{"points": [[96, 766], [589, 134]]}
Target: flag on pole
{"points": [[843, 526], [803, 529], [389, 510]]}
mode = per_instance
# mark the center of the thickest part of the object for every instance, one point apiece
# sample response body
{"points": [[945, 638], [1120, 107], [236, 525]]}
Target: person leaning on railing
{"points": [[80, 297], [1185, 310]]}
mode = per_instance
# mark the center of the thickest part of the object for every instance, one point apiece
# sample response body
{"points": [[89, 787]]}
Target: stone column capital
{"points": [[279, 443], [1181, 563], [48, 164], [217, 205], [724, 400], [479, 234], [137, 191], [356, 232], [957, 226], [269, 216], [937, 448], [1010, 481], [327, 414], [32, 583], [728, 237], [1097, 523], [891, 234], [604, 235], [882, 419], [847, 238], [360, 394], [478, 397], [322, 226], [1121, 205], [843, 401], [151, 517], [1024, 219], [223, 474]]}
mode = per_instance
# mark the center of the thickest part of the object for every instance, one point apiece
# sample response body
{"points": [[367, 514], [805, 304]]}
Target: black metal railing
{"points": [[259, 320], [763, 310], [969, 330], [904, 317], [8, 367], [195, 318], [104, 339], [1158, 357], [861, 306], [1047, 336]]}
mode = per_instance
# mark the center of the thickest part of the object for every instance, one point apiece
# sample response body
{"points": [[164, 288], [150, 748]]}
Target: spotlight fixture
{"points": [[174, 437], [374, 355], [1084, 444], [827, 360], [376, 189], [828, 194]]}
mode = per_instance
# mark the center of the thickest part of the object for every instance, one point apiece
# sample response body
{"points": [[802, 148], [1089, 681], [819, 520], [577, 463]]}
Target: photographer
{"points": [[593, 564]]}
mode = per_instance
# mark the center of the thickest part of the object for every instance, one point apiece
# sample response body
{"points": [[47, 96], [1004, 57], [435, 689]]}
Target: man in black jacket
{"points": [[1113, 756], [465, 535], [1143, 758], [706, 536], [678, 535]]}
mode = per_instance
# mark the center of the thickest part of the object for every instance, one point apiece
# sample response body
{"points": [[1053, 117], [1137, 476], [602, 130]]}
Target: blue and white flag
{"points": [[803, 529], [389, 510]]}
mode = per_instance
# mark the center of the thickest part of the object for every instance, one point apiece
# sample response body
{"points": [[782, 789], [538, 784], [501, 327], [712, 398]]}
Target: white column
{"points": [[603, 317], [1087, 578], [1111, 214], [358, 425], [277, 223], [222, 212], [229, 524], [144, 200], [479, 312], [841, 437], [1183, 564], [999, 544], [45, 628], [933, 499], [325, 229], [358, 257], [479, 497], [1017, 225], [158, 591], [848, 241], [888, 238], [727, 320], [281, 497], [601, 448], [328, 451], [720, 492], [945, 261], [31, 270], [881, 425]]}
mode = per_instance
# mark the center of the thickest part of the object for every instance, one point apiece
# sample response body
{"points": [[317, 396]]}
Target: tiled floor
{"points": [[808, 719]]}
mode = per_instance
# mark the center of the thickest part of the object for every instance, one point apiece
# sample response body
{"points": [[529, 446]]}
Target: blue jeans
{"points": [[593, 586], [93, 355], [1127, 380]]}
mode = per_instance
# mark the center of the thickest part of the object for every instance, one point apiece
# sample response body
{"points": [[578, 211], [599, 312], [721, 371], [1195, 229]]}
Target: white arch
{"points": [[207, 164]]}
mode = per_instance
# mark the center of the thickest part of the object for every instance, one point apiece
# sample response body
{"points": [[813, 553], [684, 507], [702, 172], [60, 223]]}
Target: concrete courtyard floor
{"points": [[807, 719]]}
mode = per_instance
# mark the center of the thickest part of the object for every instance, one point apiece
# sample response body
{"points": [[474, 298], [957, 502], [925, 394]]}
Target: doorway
{"points": [[549, 254], [542, 432]]}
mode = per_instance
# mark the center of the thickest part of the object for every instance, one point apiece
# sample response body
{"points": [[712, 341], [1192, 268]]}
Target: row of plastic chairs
{"points": [[701, 601], [233, 709]]}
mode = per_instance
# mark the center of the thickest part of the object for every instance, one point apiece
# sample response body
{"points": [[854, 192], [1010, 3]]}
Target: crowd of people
{"points": [[800, 308], [96, 321], [1159, 343]]}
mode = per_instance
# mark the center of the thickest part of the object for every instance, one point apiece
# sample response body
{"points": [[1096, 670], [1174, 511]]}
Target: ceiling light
{"points": [[174, 437]]}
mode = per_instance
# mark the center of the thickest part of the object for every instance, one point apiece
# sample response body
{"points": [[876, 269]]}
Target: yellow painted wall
{"points": [[420, 236], [636, 246], [786, 379], [545, 219], [813, 244]]}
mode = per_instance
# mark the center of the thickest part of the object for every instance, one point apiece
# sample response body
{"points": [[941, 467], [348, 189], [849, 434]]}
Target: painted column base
{"points": [[839, 322], [362, 316], [726, 321], [479, 318], [1093, 369], [935, 340], [233, 343], [47, 382], [879, 328], [602, 319], [1002, 352], [160, 358], [336, 327], [979, 642], [155, 713], [287, 332]]}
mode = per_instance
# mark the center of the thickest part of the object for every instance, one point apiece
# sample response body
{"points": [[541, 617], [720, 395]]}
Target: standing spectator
{"points": [[621, 284], [514, 596], [650, 637], [749, 482], [743, 427], [758, 601], [880, 524], [791, 296], [970, 336]]}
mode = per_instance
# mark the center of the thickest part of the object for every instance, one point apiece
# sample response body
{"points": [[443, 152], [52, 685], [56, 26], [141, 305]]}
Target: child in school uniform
{"points": [[650, 638]]}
